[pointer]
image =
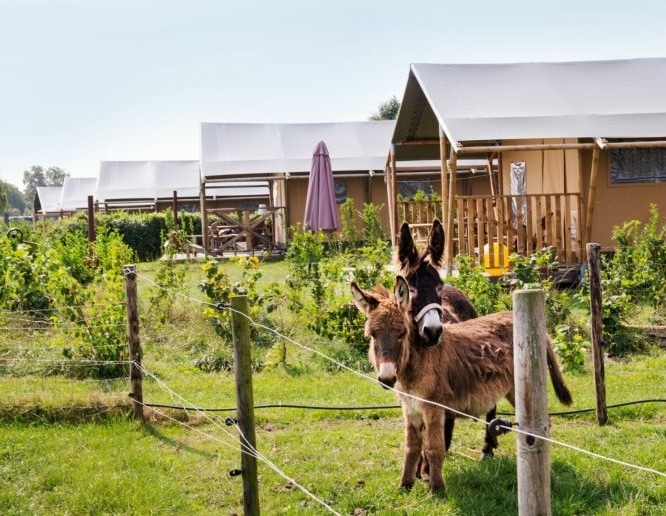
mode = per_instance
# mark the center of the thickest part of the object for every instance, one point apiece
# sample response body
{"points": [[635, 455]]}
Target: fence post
{"points": [[245, 402], [596, 330], [530, 373], [131, 301]]}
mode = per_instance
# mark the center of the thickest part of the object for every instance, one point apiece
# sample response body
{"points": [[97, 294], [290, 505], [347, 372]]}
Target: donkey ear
{"points": [[364, 301], [407, 252], [436, 243], [401, 292]]}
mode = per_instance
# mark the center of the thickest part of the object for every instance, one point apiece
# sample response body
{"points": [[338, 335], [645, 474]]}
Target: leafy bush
{"points": [[571, 344], [219, 288], [485, 296], [633, 276], [305, 255]]}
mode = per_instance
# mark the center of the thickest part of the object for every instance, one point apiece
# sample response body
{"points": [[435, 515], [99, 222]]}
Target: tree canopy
{"points": [[387, 110], [4, 203], [37, 176], [15, 199]]}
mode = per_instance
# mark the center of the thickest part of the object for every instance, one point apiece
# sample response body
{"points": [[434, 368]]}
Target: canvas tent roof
{"points": [[147, 180], [131, 183], [75, 192], [47, 199], [495, 102], [235, 151]]}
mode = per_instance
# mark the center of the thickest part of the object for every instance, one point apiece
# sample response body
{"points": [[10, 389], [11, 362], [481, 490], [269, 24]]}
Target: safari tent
{"points": [[47, 201], [75, 193], [281, 155], [154, 185], [571, 149]]}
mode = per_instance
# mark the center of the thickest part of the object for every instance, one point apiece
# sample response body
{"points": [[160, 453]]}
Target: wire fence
{"points": [[14, 322]]}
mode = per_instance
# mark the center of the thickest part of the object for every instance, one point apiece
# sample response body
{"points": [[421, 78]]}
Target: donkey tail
{"points": [[561, 390]]}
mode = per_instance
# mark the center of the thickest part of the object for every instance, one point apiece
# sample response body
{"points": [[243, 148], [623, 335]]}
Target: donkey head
{"points": [[386, 327], [421, 271]]}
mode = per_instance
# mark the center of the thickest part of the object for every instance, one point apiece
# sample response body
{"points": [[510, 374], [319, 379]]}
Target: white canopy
{"points": [[75, 192], [47, 199], [233, 151], [132, 183], [494, 102], [147, 180]]}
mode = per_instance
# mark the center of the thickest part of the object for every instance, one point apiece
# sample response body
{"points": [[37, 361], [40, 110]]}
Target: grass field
{"points": [[71, 447]]}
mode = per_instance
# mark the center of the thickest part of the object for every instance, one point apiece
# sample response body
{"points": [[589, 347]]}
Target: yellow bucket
{"points": [[500, 259]]}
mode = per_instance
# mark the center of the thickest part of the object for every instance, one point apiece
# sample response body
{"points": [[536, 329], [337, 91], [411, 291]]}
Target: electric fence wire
{"points": [[245, 446], [450, 409]]}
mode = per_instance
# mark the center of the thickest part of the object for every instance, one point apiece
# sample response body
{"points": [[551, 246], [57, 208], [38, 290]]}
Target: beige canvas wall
{"points": [[362, 189], [616, 204], [547, 171]]}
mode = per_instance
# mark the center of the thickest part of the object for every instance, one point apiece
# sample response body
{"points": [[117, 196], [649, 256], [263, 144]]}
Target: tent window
{"points": [[638, 165], [411, 189], [341, 191]]}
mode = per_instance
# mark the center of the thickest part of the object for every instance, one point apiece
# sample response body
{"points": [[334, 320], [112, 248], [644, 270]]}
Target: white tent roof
{"points": [[47, 199], [138, 182], [147, 180], [231, 151], [75, 192], [487, 102]]}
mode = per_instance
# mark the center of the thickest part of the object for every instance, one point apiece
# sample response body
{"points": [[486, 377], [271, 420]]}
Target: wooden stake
{"points": [[596, 333], [131, 301], [591, 194], [530, 373], [245, 402]]}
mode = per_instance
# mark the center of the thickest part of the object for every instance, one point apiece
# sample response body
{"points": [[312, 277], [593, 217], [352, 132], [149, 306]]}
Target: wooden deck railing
{"points": [[486, 227]]}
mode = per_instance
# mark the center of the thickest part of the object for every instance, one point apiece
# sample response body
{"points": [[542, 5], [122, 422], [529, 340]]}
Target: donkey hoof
{"points": [[437, 489], [406, 486], [486, 455]]}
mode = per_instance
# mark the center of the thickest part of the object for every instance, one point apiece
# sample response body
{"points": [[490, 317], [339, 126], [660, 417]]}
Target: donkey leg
{"points": [[424, 465], [449, 423], [434, 447], [413, 445], [490, 440]]}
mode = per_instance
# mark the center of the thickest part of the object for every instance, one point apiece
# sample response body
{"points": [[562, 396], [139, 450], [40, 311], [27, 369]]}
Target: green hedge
{"points": [[143, 233]]}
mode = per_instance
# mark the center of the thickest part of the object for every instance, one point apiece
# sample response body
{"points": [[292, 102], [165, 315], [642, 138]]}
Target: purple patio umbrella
{"points": [[321, 212]]}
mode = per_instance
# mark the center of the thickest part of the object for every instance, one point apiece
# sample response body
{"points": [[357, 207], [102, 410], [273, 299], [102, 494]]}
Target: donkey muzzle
{"points": [[387, 375], [429, 322]]}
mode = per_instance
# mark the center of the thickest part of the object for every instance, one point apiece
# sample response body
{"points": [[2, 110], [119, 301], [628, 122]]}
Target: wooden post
{"points": [[591, 194], [530, 374], [391, 184], [131, 300], [594, 265], [449, 216], [91, 230], [91, 220], [245, 402], [204, 218], [174, 207], [443, 173]]}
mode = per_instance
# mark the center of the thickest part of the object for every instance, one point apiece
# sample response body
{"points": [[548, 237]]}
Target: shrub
{"points": [[485, 296], [219, 288]]}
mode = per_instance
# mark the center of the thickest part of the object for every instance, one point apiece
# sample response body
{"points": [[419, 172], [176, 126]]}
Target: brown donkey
{"points": [[469, 371], [434, 304]]}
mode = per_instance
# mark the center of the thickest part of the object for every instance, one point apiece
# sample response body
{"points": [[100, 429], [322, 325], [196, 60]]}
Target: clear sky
{"points": [[83, 81]]}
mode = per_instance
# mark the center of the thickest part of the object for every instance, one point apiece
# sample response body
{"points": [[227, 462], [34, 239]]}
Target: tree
{"points": [[36, 176], [4, 203], [387, 110], [55, 176], [15, 199]]}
